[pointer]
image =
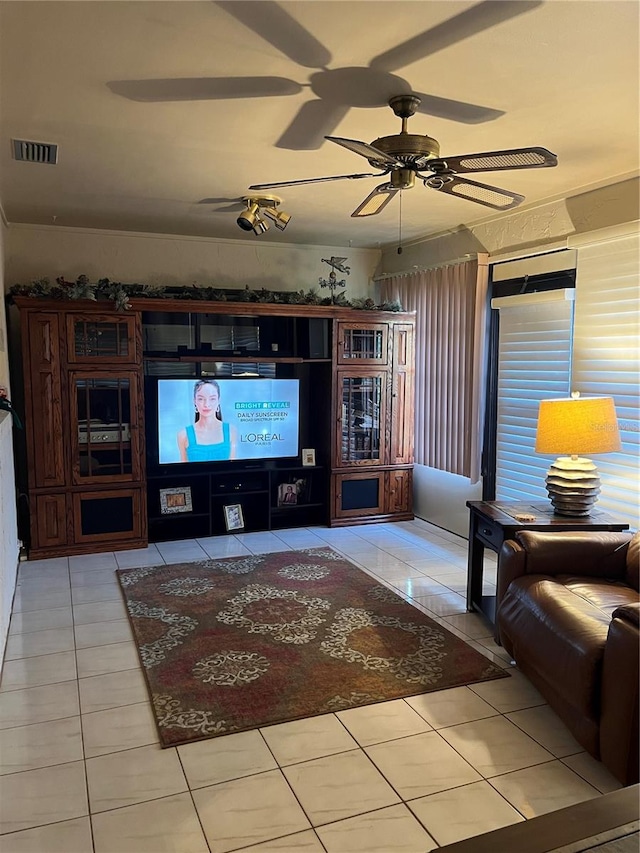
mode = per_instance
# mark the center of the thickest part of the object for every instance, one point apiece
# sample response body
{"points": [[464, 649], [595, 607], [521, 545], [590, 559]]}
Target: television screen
{"points": [[208, 420]]}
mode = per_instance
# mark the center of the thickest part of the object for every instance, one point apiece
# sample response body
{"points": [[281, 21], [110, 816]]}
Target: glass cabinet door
{"points": [[363, 342], [105, 436], [101, 338], [360, 433]]}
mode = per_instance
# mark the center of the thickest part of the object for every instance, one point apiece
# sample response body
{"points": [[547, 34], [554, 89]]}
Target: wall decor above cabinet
{"points": [[120, 295]]}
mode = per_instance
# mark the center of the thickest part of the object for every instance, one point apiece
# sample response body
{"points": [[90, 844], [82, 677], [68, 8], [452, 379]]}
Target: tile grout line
{"points": [[193, 802]]}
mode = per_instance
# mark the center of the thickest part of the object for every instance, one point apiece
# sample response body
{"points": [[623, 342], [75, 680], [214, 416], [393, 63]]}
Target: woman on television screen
{"points": [[209, 438]]}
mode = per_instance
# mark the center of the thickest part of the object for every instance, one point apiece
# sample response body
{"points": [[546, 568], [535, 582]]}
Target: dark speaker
{"points": [[318, 337], [360, 494], [106, 515]]}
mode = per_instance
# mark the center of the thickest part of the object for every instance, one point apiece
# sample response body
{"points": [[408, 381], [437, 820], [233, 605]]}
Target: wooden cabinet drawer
{"points": [[491, 534]]}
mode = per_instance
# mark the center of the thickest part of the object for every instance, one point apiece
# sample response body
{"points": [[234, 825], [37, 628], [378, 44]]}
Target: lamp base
{"points": [[573, 485]]}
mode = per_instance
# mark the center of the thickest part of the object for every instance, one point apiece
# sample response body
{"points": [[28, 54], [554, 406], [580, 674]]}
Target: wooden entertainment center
{"points": [[94, 479]]}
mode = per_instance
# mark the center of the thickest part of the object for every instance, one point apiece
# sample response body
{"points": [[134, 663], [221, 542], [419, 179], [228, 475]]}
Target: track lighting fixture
{"points": [[251, 218]]}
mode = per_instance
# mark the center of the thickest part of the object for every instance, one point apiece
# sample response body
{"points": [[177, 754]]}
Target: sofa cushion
{"points": [[603, 594], [560, 634]]}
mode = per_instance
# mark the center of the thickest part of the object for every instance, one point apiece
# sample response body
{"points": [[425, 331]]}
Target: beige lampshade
{"points": [[577, 425]]}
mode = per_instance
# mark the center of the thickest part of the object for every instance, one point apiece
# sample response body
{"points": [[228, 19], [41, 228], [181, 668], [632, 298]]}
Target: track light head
{"points": [[278, 217], [260, 226], [251, 218]]}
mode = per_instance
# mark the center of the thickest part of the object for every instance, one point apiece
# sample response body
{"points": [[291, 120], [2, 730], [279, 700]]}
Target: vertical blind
{"points": [[606, 360], [534, 364]]}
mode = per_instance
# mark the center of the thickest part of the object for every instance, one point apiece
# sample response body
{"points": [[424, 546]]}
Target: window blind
{"points": [[606, 360], [534, 363]]}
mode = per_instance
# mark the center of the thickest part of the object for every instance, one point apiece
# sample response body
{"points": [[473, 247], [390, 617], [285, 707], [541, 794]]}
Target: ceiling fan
{"points": [[406, 156]]}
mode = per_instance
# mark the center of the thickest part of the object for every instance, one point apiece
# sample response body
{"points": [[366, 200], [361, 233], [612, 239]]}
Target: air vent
{"points": [[35, 152]]}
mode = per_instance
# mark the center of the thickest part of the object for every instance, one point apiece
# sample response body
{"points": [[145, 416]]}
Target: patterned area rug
{"points": [[235, 644]]}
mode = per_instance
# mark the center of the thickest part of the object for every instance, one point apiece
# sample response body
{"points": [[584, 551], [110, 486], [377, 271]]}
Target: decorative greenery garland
{"points": [[121, 294]]}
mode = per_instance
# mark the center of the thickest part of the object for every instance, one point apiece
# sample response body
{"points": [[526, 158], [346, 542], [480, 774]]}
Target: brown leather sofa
{"points": [[569, 614]]}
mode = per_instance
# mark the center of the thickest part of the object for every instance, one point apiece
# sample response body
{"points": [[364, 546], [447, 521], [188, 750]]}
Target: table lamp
{"points": [[575, 426]]}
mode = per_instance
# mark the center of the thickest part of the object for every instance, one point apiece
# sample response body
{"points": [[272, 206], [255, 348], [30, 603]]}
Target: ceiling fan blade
{"points": [[375, 201], [365, 150], [315, 180], [203, 88], [494, 161], [494, 197], [456, 110], [314, 119], [276, 26], [480, 17]]}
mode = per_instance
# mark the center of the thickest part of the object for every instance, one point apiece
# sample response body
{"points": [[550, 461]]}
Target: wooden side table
{"points": [[491, 522]]}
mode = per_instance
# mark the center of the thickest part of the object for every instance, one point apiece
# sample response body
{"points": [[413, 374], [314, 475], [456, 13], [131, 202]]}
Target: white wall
{"points": [[35, 252], [440, 497], [8, 521]]}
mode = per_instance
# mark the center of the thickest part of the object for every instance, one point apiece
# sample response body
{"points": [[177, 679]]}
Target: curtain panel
{"points": [[451, 312]]}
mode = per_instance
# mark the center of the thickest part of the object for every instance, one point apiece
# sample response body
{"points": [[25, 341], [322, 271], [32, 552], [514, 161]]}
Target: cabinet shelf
{"points": [[235, 494], [294, 507], [272, 358], [174, 515], [106, 445], [243, 359]]}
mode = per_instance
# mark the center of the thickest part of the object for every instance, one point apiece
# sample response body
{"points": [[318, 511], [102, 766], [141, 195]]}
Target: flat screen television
{"points": [[211, 420]]}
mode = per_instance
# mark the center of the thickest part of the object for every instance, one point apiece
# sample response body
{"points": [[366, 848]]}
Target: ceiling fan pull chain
{"points": [[400, 225]]}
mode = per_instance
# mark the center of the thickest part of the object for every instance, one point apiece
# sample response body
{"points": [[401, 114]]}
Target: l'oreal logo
{"points": [[254, 437]]}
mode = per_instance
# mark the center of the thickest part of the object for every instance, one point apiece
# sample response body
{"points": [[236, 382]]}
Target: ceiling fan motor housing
{"points": [[407, 147]]}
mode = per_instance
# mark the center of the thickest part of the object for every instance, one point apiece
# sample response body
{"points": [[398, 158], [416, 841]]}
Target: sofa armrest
{"points": [[629, 613], [511, 565], [619, 701]]}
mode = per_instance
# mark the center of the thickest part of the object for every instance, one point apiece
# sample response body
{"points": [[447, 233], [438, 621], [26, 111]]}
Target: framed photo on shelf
{"points": [[287, 494], [175, 500], [233, 517], [308, 456]]}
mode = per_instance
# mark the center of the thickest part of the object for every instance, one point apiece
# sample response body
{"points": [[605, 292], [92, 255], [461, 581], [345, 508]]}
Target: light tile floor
{"points": [[81, 770]]}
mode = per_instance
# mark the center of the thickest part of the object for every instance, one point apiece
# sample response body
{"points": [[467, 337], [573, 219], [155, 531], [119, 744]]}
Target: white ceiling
{"points": [[564, 73]]}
